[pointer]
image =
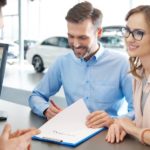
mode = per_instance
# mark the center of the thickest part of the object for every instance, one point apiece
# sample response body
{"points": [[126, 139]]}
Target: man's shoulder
{"points": [[65, 57], [117, 54], [61, 60]]}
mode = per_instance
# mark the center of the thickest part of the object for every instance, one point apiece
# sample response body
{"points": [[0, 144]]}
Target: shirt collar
{"points": [[99, 52]]}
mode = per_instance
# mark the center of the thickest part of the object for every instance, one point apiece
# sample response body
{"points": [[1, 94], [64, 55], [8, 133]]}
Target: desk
{"points": [[20, 116]]}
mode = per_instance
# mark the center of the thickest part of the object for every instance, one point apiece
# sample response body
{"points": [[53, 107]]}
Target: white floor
{"points": [[20, 80], [23, 77]]}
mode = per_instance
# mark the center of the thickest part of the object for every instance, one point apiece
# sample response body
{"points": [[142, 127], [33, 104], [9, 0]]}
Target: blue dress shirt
{"points": [[103, 82]]}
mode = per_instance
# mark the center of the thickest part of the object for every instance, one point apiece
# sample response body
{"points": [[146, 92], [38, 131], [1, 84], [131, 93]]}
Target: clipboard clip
{"points": [[52, 139]]}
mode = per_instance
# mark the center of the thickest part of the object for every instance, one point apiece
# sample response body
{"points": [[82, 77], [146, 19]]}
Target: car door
{"points": [[52, 48]]}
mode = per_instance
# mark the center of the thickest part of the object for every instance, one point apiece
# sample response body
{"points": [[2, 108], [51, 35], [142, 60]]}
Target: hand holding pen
{"points": [[54, 105], [52, 110]]}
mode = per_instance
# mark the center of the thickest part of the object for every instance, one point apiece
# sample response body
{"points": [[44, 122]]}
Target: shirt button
{"points": [[87, 81], [87, 97]]}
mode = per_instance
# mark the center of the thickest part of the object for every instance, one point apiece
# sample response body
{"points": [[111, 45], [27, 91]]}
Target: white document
{"points": [[69, 126]]}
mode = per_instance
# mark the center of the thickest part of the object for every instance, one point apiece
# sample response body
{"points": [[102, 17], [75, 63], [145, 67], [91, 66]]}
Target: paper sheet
{"points": [[69, 125]]}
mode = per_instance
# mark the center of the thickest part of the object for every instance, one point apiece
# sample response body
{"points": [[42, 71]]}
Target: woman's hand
{"points": [[115, 133]]}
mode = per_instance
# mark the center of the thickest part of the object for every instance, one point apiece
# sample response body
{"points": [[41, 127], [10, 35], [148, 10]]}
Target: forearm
{"points": [[130, 127], [134, 131], [38, 105], [143, 135]]}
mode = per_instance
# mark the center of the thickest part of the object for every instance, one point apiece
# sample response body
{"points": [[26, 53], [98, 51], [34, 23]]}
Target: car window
{"points": [[51, 41], [112, 41], [63, 42], [57, 41]]}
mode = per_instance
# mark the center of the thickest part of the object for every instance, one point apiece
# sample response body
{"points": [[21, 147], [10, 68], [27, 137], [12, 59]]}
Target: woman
{"points": [[137, 39]]}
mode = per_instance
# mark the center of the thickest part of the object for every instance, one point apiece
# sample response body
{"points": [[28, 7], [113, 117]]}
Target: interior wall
{"points": [[45, 18]]}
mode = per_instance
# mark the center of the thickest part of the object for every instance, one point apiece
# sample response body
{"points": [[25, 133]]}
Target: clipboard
{"points": [[68, 127]]}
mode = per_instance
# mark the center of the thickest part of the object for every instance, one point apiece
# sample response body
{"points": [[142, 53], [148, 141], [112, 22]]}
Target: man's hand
{"points": [[99, 119], [51, 111], [19, 140]]}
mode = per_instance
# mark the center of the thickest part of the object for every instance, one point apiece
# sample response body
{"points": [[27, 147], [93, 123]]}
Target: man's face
{"points": [[82, 38]]}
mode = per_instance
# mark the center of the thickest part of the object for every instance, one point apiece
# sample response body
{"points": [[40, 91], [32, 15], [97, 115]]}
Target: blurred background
{"points": [[27, 22], [37, 34]]}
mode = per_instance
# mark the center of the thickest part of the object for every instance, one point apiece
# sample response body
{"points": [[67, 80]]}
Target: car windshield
{"points": [[112, 37], [56, 41]]}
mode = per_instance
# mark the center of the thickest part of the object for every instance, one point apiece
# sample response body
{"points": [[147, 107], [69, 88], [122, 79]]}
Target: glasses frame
{"points": [[125, 30]]}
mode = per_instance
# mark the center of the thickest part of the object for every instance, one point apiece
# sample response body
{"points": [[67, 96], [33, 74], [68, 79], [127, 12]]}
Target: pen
{"points": [[52, 102], [52, 139]]}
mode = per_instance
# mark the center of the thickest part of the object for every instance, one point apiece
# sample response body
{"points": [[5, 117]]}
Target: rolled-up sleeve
{"points": [[48, 86]]}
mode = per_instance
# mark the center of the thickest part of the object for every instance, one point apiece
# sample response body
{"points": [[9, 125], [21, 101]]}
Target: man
{"points": [[98, 76], [20, 139]]}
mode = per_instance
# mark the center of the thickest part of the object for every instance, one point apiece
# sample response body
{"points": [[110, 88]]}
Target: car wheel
{"points": [[37, 62]]}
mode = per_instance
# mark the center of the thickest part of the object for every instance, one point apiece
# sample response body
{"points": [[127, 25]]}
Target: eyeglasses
{"points": [[137, 34]]}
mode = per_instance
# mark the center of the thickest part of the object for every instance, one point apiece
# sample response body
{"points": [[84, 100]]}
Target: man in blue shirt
{"points": [[98, 76]]}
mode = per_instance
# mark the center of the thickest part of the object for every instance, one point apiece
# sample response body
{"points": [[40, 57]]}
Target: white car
{"points": [[46, 52], [112, 38]]}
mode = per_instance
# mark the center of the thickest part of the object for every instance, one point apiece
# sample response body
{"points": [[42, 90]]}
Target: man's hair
{"points": [[145, 10], [3, 3], [83, 11]]}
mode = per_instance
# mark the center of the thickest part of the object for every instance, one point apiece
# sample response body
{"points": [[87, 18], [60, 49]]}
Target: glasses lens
{"points": [[125, 32], [138, 34]]}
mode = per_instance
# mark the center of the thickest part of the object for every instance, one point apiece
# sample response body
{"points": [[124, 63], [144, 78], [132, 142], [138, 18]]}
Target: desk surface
{"points": [[20, 117]]}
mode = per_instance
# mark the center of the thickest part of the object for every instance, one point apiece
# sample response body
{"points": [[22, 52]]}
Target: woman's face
{"points": [[141, 47]]}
